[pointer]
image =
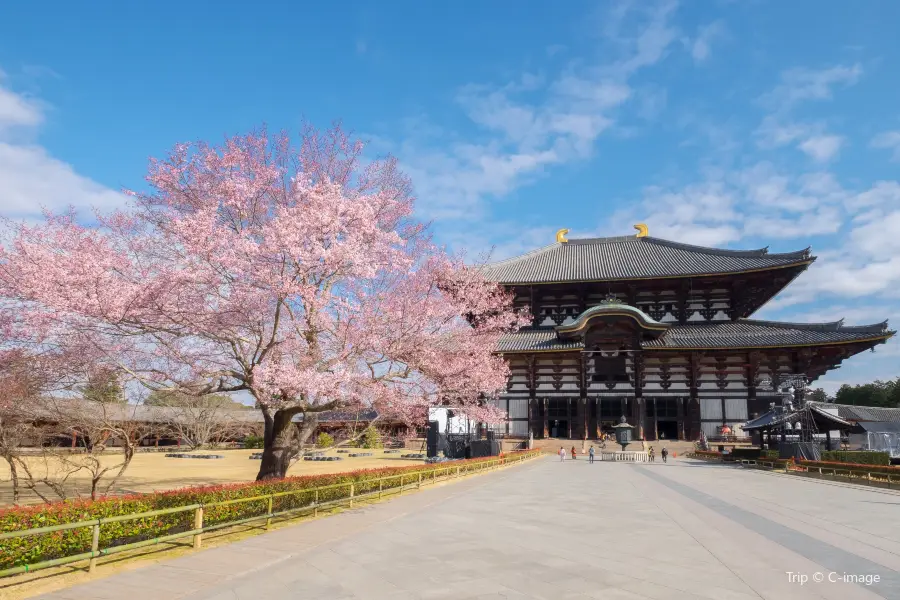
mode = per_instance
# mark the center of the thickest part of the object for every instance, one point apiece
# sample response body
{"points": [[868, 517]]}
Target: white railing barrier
{"points": [[628, 456]]}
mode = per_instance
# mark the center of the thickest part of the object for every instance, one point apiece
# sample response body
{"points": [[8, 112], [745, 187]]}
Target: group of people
{"points": [[563, 455], [664, 453]]}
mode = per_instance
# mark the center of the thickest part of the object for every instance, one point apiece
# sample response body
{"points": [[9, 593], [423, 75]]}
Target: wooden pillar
{"points": [[569, 418], [596, 418], [827, 439], [655, 419], [637, 362], [694, 400], [74, 439], [680, 408], [546, 418]]}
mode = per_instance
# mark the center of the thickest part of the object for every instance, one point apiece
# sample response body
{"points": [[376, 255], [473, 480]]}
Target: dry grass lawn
{"points": [[152, 471]]}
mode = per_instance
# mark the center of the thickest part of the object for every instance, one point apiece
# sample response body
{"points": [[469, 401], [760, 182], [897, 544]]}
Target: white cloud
{"points": [[700, 45], [16, 110], [822, 148], [801, 84], [532, 123], [889, 140], [32, 180], [778, 128]]}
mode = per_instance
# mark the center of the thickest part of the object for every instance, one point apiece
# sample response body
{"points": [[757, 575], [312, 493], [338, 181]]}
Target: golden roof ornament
{"points": [[642, 230], [561, 236]]}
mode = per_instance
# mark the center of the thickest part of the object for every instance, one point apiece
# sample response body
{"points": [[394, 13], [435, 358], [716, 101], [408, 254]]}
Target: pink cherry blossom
{"points": [[296, 275]]}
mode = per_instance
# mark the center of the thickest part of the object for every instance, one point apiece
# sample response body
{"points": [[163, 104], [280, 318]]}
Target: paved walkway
{"points": [[562, 531]]}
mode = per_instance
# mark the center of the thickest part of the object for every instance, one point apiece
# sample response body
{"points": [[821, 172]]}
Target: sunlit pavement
{"points": [[554, 530]]}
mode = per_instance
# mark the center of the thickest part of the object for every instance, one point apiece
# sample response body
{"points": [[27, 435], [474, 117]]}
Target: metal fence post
{"points": [[457, 471], [269, 512], [198, 524], [380, 485], [95, 547], [419, 486], [401, 485], [316, 504], [351, 495]]}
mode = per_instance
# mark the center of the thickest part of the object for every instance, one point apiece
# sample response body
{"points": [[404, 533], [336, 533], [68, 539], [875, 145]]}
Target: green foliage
{"points": [[772, 454], [818, 395], [254, 441], [103, 387], [324, 440], [371, 438], [856, 468], [857, 457], [33, 549], [877, 393]]}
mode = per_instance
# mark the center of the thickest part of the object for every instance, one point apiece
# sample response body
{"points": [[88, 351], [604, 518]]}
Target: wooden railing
{"points": [[402, 482]]}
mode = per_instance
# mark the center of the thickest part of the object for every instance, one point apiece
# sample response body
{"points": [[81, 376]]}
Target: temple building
{"points": [[657, 331]]}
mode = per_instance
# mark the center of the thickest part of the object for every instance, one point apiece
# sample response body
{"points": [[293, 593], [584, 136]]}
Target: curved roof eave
{"points": [[613, 309]]}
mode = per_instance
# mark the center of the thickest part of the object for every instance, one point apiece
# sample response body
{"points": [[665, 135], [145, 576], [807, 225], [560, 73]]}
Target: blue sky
{"points": [[732, 124]]}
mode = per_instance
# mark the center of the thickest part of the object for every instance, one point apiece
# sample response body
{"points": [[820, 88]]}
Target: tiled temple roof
{"points": [[744, 333], [630, 257], [850, 412]]}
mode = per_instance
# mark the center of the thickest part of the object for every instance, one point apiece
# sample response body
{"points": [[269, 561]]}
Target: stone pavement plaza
{"points": [[555, 530]]}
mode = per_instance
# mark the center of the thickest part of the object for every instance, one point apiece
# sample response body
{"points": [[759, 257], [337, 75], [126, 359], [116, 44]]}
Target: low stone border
{"points": [[206, 456], [392, 452], [358, 454], [326, 458], [419, 456]]}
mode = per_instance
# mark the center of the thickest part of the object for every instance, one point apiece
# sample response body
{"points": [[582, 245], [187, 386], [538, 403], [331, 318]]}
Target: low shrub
{"points": [[254, 442], [771, 454], [324, 440], [707, 454], [371, 438], [842, 466], [58, 544], [858, 457]]}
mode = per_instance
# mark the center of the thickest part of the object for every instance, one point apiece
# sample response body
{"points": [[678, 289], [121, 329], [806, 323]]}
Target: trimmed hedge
{"points": [[707, 454], [842, 466], [38, 548], [857, 457]]}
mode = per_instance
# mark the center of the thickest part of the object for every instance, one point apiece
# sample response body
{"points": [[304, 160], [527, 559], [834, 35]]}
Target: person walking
{"points": [[652, 457], [591, 455], [573, 452], [664, 453], [562, 454]]}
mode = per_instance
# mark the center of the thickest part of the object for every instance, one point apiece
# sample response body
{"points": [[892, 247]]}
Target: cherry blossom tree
{"points": [[292, 273]]}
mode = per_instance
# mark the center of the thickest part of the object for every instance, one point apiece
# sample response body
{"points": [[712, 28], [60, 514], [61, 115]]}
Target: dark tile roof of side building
{"points": [[630, 257], [744, 333]]}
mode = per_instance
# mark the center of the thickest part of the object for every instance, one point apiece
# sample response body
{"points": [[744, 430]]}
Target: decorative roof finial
{"points": [[561, 236], [642, 230]]}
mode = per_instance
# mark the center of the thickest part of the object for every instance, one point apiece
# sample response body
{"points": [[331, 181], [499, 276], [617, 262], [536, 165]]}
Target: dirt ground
{"points": [[152, 471]]}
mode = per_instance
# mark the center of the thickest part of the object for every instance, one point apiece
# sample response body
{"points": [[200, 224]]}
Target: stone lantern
{"points": [[623, 433]]}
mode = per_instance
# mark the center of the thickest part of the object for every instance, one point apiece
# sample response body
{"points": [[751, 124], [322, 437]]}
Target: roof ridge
{"points": [[760, 252], [534, 252], [824, 326]]}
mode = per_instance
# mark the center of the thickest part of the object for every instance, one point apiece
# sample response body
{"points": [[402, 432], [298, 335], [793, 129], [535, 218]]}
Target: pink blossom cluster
{"points": [[296, 275]]}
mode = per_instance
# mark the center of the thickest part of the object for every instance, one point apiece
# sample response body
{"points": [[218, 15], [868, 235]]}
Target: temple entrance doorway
{"points": [[559, 429], [667, 430]]}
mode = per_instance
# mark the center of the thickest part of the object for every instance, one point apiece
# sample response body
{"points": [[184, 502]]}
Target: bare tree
{"points": [[25, 425], [201, 421], [103, 425]]}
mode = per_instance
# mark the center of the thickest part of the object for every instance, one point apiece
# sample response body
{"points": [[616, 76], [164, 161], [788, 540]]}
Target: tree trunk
{"points": [[282, 442], [278, 445]]}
